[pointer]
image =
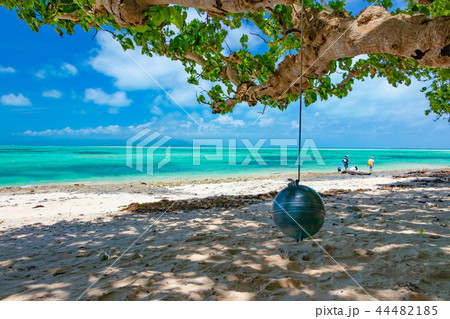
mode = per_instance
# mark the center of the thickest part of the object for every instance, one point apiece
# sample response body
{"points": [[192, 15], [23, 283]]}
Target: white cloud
{"points": [[234, 37], [15, 100], [52, 93], [134, 71], [376, 99], [156, 110], [65, 70], [7, 69], [110, 131], [164, 124], [294, 125], [185, 95], [228, 120], [266, 121], [69, 69], [116, 99], [192, 14], [40, 74]]}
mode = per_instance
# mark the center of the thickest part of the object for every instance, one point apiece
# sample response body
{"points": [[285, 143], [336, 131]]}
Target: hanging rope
{"points": [[301, 95]]}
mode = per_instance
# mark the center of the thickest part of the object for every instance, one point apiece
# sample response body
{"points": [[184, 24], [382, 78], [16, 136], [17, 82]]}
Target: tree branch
{"points": [[352, 74], [332, 36], [423, 2], [69, 16], [326, 6]]}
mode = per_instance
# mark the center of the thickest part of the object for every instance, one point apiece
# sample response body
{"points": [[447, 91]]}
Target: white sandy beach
{"points": [[57, 240]]}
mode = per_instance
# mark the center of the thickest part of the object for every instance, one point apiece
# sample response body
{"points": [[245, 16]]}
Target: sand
{"points": [[385, 237]]}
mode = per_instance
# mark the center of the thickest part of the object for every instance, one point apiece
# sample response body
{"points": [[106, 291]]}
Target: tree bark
{"points": [[424, 2], [129, 12]]}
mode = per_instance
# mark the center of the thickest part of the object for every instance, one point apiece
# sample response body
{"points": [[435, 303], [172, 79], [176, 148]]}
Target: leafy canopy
{"points": [[167, 31]]}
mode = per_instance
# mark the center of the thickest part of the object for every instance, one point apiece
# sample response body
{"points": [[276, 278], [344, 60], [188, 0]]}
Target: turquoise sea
{"points": [[31, 165]]}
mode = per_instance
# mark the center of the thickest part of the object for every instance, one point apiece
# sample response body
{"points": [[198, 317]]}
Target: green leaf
{"points": [[235, 24], [166, 13], [332, 66], [157, 18], [27, 3], [244, 39], [193, 80], [176, 18], [201, 99], [127, 43], [141, 29]]}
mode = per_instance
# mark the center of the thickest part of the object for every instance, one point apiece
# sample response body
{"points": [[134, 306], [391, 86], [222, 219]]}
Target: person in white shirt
{"points": [[371, 163], [346, 162]]}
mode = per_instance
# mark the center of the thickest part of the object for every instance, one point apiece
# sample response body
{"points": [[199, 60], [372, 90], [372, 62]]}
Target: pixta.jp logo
{"points": [[143, 147]]}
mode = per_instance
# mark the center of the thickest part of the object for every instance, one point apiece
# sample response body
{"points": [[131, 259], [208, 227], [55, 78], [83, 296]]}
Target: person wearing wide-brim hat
{"points": [[346, 162]]}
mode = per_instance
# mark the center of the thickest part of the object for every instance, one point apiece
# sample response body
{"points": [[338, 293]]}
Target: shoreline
{"points": [[21, 206], [306, 176]]}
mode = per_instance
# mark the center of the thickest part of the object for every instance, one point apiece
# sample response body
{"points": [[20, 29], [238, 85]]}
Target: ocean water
{"points": [[32, 165]]}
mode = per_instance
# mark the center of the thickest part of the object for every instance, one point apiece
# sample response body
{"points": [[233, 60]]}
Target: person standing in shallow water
{"points": [[371, 163], [345, 161]]}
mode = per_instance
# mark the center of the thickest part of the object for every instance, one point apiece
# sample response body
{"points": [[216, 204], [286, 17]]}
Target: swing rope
{"points": [[301, 95]]}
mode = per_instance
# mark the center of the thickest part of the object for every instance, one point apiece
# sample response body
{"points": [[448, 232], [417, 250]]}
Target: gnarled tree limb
{"points": [[333, 36]]}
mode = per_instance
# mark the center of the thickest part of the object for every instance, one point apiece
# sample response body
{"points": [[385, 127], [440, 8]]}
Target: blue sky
{"points": [[86, 91]]}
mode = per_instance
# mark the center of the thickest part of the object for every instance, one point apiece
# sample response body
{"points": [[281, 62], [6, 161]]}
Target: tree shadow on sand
{"points": [[226, 254]]}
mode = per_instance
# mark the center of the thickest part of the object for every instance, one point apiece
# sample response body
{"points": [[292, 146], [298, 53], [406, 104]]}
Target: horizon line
{"points": [[226, 146]]}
